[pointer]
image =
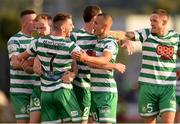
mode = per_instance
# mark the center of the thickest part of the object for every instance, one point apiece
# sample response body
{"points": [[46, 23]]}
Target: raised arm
{"points": [[121, 35], [124, 39]]}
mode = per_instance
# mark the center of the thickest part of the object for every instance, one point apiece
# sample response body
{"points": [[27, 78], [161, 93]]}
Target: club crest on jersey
{"points": [[166, 52]]}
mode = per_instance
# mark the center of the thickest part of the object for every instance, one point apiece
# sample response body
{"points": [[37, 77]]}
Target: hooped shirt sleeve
{"points": [[73, 47], [13, 47], [142, 34], [111, 47]]}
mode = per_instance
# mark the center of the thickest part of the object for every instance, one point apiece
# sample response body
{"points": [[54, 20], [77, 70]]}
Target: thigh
{"points": [[21, 105], [168, 117], [67, 105], [167, 99], [83, 96], [49, 113], [167, 103], [35, 117], [104, 106], [150, 120], [35, 106], [148, 101], [35, 99]]}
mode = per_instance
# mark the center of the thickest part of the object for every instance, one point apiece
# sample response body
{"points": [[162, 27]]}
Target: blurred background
{"points": [[127, 14]]}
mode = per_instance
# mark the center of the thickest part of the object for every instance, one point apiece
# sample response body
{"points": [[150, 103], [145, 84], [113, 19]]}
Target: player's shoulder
{"points": [[110, 39], [20, 36], [113, 41], [173, 32], [76, 33], [15, 38], [80, 30]]}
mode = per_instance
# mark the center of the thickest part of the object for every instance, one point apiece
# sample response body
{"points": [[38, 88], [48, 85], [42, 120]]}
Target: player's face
{"points": [[29, 22], [99, 26], [42, 27], [156, 23], [93, 21], [68, 27]]}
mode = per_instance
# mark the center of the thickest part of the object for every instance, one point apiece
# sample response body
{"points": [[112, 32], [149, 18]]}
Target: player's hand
{"points": [[120, 67], [68, 77], [27, 66], [81, 56], [15, 62], [76, 55], [27, 63], [37, 68], [129, 46]]}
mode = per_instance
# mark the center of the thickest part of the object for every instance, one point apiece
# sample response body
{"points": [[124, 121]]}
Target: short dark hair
{"points": [[90, 12], [27, 12], [161, 12], [59, 19]]}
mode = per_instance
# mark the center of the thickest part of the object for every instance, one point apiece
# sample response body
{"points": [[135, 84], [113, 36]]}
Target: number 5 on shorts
{"points": [[149, 107]]}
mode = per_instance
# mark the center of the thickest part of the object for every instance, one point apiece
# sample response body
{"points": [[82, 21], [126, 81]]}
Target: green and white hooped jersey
{"points": [[103, 80], [55, 55], [20, 81], [178, 78], [159, 57], [87, 42]]}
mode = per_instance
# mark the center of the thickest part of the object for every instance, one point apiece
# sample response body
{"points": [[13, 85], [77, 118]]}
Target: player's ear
{"points": [[62, 28], [164, 22], [106, 25]]}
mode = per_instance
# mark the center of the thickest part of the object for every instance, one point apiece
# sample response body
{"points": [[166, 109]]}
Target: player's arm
{"points": [[37, 67], [24, 55], [84, 57], [15, 62], [121, 35], [74, 67], [110, 66], [13, 50], [124, 39], [27, 66], [69, 76]]}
